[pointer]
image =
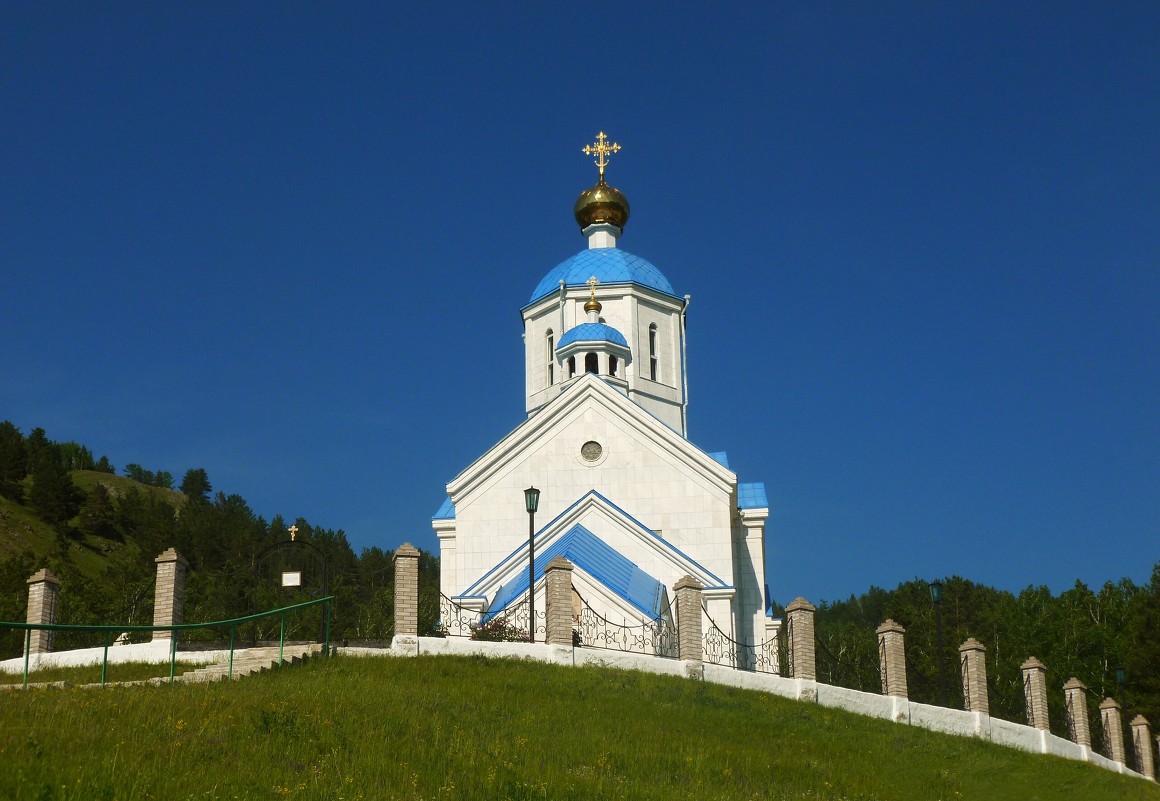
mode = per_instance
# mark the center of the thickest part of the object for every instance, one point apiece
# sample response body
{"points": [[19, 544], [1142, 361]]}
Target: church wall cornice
{"points": [[505, 455]]}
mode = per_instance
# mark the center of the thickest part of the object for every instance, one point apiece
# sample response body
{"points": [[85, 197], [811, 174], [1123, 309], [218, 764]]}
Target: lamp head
{"points": [[531, 499], [936, 591]]}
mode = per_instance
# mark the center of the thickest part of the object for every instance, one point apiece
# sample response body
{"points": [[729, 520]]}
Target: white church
{"points": [[624, 495]]}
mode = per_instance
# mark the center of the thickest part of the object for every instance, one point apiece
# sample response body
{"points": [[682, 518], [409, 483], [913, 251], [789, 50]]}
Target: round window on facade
{"points": [[591, 451]]}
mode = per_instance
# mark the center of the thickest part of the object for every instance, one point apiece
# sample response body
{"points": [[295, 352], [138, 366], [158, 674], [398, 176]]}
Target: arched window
{"points": [[591, 363], [612, 365], [652, 351], [551, 343], [571, 366]]}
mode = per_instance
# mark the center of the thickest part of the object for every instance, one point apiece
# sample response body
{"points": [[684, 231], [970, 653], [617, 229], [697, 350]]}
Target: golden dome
{"points": [[593, 305], [601, 204]]}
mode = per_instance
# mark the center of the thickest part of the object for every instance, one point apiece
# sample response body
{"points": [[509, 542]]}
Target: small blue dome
{"points": [[610, 266], [593, 332]]}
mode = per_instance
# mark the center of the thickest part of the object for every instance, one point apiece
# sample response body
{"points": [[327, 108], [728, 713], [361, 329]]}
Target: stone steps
{"points": [[247, 661], [250, 661]]}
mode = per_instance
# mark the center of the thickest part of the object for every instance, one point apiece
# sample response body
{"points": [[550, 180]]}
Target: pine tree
{"points": [[195, 486], [13, 462], [98, 518], [40, 450], [53, 494]]}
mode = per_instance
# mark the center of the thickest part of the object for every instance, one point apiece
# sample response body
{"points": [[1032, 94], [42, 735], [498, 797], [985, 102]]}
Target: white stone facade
{"points": [[621, 485]]}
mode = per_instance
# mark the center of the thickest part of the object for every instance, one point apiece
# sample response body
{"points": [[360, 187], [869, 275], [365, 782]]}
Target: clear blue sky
{"points": [[288, 242]]}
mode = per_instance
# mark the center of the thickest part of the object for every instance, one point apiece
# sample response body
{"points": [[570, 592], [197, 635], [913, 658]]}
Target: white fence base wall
{"points": [[153, 652], [899, 710]]}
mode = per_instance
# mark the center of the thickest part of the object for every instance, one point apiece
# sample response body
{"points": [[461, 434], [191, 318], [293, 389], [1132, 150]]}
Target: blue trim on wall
{"points": [[522, 549]]}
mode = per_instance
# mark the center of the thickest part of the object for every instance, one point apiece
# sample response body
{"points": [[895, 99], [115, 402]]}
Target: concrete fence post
{"points": [[802, 658], [892, 658], [1035, 693], [689, 625], [1142, 743], [407, 590], [1075, 699], [558, 596], [43, 591], [1113, 723], [973, 663], [169, 592]]}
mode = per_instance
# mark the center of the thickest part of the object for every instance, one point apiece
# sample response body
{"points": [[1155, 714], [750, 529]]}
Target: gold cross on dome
{"points": [[601, 150], [592, 282], [293, 532]]}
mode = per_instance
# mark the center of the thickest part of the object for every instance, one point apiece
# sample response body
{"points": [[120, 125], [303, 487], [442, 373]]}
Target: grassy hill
{"points": [[474, 728], [21, 530]]}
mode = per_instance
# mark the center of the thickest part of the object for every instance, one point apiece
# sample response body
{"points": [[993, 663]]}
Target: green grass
{"points": [[474, 728], [91, 674]]}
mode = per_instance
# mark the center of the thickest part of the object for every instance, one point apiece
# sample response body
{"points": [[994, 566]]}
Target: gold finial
{"points": [[293, 532], [601, 150], [593, 304]]}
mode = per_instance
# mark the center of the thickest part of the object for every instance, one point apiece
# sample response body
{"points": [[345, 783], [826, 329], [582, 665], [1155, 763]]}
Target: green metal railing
{"points": [[233, 623]]}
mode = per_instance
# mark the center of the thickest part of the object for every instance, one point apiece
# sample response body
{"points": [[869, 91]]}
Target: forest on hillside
{"points": [[99, 532], [1105, 637]]}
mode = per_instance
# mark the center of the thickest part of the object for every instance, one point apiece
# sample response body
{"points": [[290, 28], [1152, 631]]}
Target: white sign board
{"points": [[292, 579]]}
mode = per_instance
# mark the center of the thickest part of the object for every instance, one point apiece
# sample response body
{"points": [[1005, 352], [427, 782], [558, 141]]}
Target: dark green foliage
{"points": [[53, 494], [14, 573], [1077, 633], [13, 462], [195, 486], [74, 456], [39, 451], [161, 478], [103, 465], [98, 517]]}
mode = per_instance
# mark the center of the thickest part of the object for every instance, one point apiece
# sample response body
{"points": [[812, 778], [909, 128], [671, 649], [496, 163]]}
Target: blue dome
{"points": [[592, 332], [609, 265]]}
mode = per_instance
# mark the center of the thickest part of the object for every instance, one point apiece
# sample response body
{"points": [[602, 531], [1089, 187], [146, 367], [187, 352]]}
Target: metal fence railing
{"points": [[107, 633]]}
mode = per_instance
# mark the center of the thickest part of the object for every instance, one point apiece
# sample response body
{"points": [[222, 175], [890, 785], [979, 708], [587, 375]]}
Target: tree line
{"points": [[1105, 637], [102, 543]]}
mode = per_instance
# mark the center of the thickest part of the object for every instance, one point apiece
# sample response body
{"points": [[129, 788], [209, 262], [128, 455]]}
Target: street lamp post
{"points": [[531, 503], [936, 596]]}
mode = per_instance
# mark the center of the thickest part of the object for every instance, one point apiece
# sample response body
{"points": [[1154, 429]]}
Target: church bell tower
{"points": [[608, 312]]}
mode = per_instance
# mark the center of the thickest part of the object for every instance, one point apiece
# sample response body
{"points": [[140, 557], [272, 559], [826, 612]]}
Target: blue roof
{"points": [[720, 457], [751, 496], [600, 561], [610, 266], [592, 332], [446, 510]]}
